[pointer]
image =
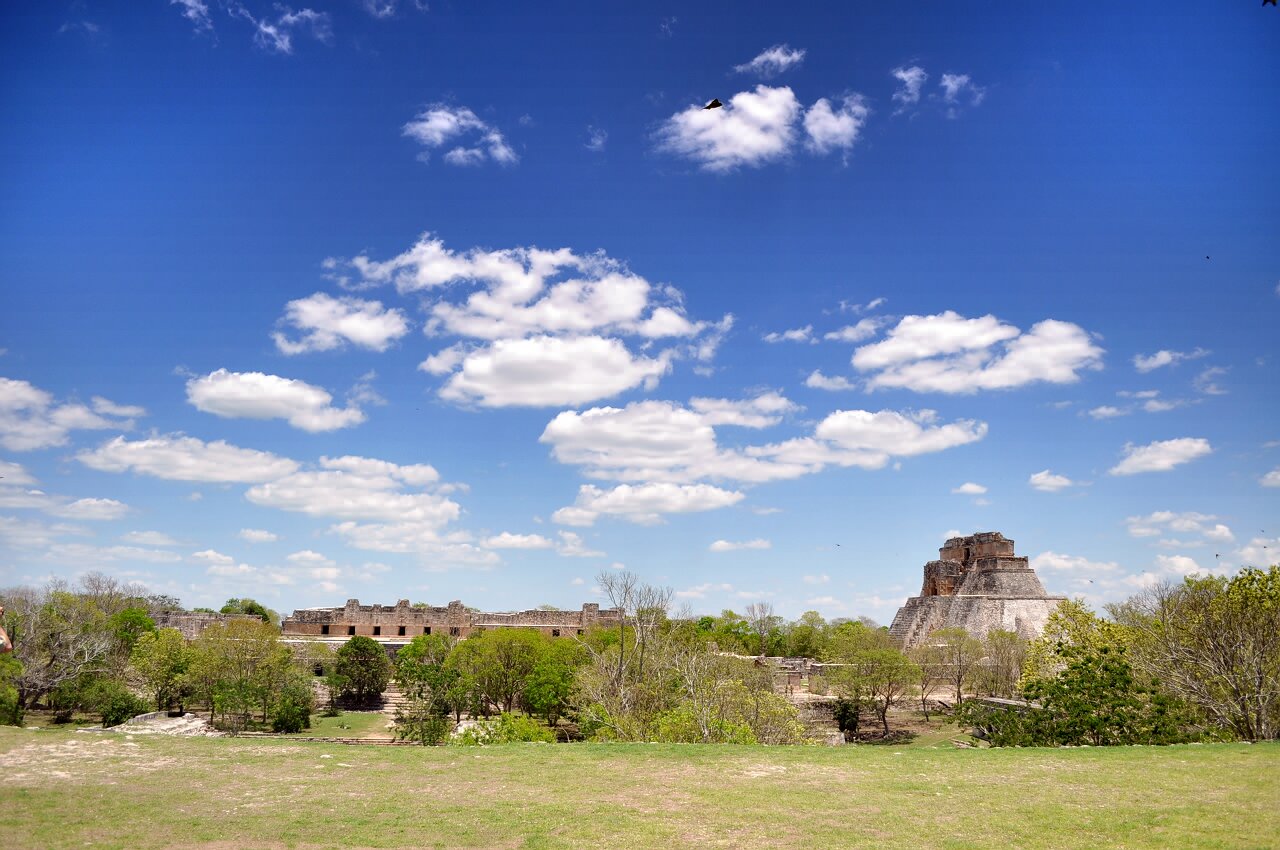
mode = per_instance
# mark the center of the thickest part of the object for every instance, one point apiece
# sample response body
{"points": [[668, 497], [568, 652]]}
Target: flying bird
{"points": [[714, 104]]}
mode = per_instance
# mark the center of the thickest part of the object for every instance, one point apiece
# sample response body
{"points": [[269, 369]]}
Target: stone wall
{"points": [[403, 622], [191, 624]]}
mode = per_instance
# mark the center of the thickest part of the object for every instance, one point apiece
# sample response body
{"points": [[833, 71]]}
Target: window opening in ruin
{"points": [[454, 631], [377, 630], [426, 630], [324, 630], [579, 631], [319, 670], [555, 633], [401, 631], [351, 630]]}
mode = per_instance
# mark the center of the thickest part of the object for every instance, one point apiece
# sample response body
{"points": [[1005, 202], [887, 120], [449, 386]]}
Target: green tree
{"points": [[251, 606], [1001, 665], [1072, 624], [161, 660], [960, 652], [10, 708], [500, 663], [549, 686], [931, 671], [363, 668]]}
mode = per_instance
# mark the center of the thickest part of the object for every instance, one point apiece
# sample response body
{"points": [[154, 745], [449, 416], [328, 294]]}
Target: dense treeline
{"points": [[1177, 662]]}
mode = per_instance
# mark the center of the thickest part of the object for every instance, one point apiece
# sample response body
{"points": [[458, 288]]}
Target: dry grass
{"points": [[68, 789]]}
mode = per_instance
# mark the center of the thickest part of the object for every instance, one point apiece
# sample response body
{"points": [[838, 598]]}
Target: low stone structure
{"points": [[192, 623], [402, 622], [977, 584]]}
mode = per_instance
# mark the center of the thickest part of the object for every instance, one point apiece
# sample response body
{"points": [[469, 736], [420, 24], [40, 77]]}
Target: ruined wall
{"points": [[403, 621], [191, 624]]}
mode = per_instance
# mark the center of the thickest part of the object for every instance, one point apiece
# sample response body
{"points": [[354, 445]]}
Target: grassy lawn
{"points": [[68, 789], [350, 724]]}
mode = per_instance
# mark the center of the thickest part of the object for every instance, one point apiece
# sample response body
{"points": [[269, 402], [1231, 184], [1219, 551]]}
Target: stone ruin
{"points": [[977, 584], [192, 623], [398, 624]]}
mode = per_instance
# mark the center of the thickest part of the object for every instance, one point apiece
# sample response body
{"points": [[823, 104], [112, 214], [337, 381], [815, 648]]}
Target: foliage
{"points": [[362, 669], [420, 722], [1072, 624], [931, 671], [10, 706], [293, 705], [251, 606], [114, 701], [960, 652], [161, 660], [500, 663], [998, 672], [1215, 643], [507, 729], [239, 668]]}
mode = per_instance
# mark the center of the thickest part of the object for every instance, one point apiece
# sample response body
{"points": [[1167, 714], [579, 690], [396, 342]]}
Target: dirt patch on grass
{"points": [[70, 760]]}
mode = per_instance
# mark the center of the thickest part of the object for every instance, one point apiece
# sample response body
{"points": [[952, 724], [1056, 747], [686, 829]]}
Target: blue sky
{"points": [[474, 301]]}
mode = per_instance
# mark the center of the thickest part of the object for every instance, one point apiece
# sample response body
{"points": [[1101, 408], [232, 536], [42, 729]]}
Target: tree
{"points": [[58, 636], [760, 616], [500, 662], [960, 651], [1072, 624], [239, 667], [807, 637], [549, 686], [363, 667], [887, 675], [1214, 642], [931, 671], [161, 660], [1001, 666], [251, 606]]}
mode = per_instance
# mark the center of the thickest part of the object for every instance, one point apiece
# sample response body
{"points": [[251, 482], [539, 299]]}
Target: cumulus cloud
{"points": [[15, 475], [730, 546], [911, 81], [643, 503], [1271, 479], [358, 488], [1207, 381], [441, 124], [195, 11], [1160, 456], [572, 545], [148, 538], [759, 412], [540, 327], [30, 419], [663, 441], [596, 139], [819, 381], [253, 395], [257, 535], [952, 354], [804, 334], [959, 89], [507, 540], [970, 488], [752, 129], [1185, 522], [772, 61], [92, 509], [835, 127], [700, 591], [864, 329], [327, 323], [179, 458], [1048, 482], [1150, 362], [1107, 411], [758, 127]]}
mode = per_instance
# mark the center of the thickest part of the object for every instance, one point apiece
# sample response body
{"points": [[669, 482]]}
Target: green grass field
{"points": [[74, 789]]}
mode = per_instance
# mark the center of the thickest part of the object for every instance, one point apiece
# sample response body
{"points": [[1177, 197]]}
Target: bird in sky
{"points": [[714, 104], [1269, 3]]}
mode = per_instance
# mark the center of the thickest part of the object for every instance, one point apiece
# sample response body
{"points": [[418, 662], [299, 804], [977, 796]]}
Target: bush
{"points": [[507, 729], [293, 711], [422, 723], [115, 702]]}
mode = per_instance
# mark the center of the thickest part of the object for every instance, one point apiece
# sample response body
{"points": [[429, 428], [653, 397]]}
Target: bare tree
{"points": [[760, 616], [57, 635]]}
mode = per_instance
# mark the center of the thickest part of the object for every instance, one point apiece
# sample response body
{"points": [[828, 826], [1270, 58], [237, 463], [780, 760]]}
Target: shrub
{"points": [[507, 729]]}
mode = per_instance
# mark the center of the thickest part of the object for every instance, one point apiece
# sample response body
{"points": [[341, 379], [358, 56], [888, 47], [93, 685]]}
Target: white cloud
{"points": [[912, 81], [195, 11], [1271, 479], [29, 418], [309, 558], [762, 411], [1147, 363], [804, 334], [441, 124], [257, 535], [859, 309], [772, 61], [729, 546], [819, 579], [277, 35], [700, 591], [213, 557], [969, 488], [889, 433], [148, 538], [549, 371], [958, 89], [596, 139], [107, 407], [1048, 482], [835, 128], [92, 509], [752, 129], [1179, 565], [1055, 562], [1106, 411], [1186, 522], [82, 555], [328, 323], [507, 540], [178, 458], [572, 545], [1260, 552], [14, 475], [254, 395], [1207, 381], [819, 381], [864, 329], [643, 503], [1088, 577], [1160, 456], [951, 354]]}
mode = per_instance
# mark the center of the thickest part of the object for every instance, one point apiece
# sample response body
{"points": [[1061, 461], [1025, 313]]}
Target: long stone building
{"points": [[978, 584], [400, 623]]}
